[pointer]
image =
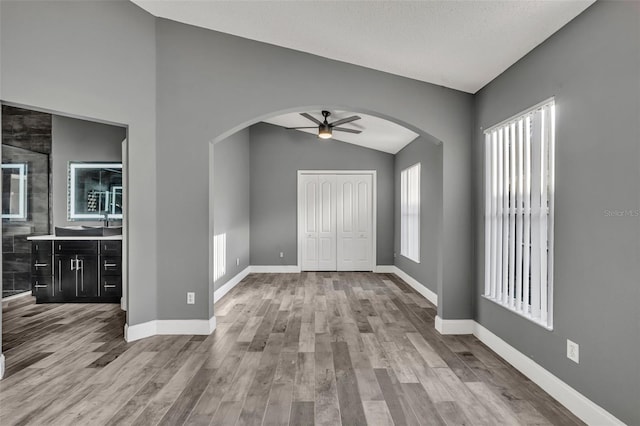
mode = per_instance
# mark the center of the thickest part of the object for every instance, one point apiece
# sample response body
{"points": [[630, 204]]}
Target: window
{"points": [[519, 188], [410, 213]]}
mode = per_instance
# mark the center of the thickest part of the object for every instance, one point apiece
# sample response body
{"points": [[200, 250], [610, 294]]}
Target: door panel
{"points": [[327, 219], [308, 200], [355, 215]]}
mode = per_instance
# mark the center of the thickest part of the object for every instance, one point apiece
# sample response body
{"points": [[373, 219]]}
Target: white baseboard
{"points": [[415, 284], [1, 366], [588, 411], [226, 288], [158, 327], [17, 296], [385, 269], [275, 269], [458, 326]]}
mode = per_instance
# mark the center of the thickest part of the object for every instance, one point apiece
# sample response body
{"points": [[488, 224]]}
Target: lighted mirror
{"points": [[14, 191], [95, 191]]}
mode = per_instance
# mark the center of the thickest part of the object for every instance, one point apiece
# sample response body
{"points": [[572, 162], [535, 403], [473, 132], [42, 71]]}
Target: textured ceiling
{"points": [[377, 133], [458, 44]]}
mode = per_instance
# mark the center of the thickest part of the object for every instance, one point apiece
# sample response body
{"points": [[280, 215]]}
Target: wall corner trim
{"points": [[226, 288], [177, 327], [1, 366], [415, 284], [457, 326]]}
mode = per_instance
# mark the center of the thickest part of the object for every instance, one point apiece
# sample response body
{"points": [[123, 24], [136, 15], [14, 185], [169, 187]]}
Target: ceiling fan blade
{"points": [[342, 129], [309, 117], [344, 121], [296, 128]]}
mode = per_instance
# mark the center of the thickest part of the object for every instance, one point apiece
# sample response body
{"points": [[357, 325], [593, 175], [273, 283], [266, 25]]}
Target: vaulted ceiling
{"points": [[458, 44]]}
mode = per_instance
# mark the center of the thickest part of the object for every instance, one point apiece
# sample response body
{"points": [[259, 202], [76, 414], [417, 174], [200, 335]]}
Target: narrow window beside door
{"points": [[519, 188], [410, 213]]}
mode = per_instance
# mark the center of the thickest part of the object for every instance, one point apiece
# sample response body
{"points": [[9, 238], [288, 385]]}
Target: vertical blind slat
{"points": [[494, 211], [526, 214], [505, 210], [499, 247], [519, 218], [544, 160], [536, 192], [512, 213], [487, 214]]}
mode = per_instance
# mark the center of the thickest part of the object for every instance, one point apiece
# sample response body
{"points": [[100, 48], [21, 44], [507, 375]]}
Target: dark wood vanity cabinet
{"points": [[79, 271]]}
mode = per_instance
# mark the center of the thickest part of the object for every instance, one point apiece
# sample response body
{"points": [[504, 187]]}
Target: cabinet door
{"points": [[87, 275], [65, 276]]}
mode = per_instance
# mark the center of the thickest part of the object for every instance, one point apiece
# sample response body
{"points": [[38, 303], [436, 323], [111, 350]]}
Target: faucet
{"points": [[105, 221]]}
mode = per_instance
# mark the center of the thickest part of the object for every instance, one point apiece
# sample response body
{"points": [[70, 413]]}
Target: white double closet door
{"points": [[335, 216]]}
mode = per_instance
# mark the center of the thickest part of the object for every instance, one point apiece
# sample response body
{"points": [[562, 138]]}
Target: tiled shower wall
{"points": [[26, 138]]}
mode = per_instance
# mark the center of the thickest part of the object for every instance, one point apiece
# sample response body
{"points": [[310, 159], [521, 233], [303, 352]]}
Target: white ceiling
{"points": [[458, 44], [377, 133]]}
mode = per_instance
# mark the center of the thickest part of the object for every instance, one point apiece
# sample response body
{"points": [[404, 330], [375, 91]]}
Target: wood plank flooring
{"points": [[299, 349]]}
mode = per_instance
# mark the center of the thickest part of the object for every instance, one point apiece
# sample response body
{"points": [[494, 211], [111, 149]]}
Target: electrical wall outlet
{"points": [[573, 351], [238, 261], [281, 254], [191, 298]]}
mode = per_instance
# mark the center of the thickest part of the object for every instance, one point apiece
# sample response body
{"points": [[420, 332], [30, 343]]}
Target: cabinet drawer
{"points": [[111, 247], [110, 265], [76, 247], [41, 248], [41, 266], [111, 287], [42, 286]]}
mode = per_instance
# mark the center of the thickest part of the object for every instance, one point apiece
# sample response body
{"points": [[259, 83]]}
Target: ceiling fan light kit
{"points": [[325, 129]]}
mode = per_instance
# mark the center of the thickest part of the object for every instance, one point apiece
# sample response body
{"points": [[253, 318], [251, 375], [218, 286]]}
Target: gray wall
{"points": [[592, 67], [96, 60], [213, 84], [79, 140], [276, 156], [428, 152], [116, 63], [231, 200]]}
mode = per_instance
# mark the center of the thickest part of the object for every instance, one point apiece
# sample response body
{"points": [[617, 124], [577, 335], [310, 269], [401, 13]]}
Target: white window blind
{"points": [[410, 213], [519, 189]]}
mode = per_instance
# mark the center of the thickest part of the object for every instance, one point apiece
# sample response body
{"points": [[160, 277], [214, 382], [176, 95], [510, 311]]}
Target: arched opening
{"points": [[276, 154]]}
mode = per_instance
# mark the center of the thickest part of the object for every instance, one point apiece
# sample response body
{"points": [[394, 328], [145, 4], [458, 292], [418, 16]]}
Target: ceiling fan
{"points": [[325, 129]]}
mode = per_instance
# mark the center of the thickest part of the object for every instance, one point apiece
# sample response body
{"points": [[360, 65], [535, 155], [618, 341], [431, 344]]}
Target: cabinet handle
{"points": [[73, 267], [109, 286], [41, 265], [110, 265], [40, 286], [59, 276]]}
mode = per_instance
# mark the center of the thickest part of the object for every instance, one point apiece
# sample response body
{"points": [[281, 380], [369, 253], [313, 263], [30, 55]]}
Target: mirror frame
{"points": [[22, 188], [71, 213]]}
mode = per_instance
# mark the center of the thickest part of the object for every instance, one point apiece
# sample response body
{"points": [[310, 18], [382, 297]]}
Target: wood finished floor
{"points": [[298, 349]]}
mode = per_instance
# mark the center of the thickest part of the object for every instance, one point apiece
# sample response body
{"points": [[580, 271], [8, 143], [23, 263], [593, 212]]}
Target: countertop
{"points": [[74, 238]]}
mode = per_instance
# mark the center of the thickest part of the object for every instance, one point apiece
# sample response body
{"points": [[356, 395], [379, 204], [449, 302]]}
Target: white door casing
{"points": [[336, 220]]}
